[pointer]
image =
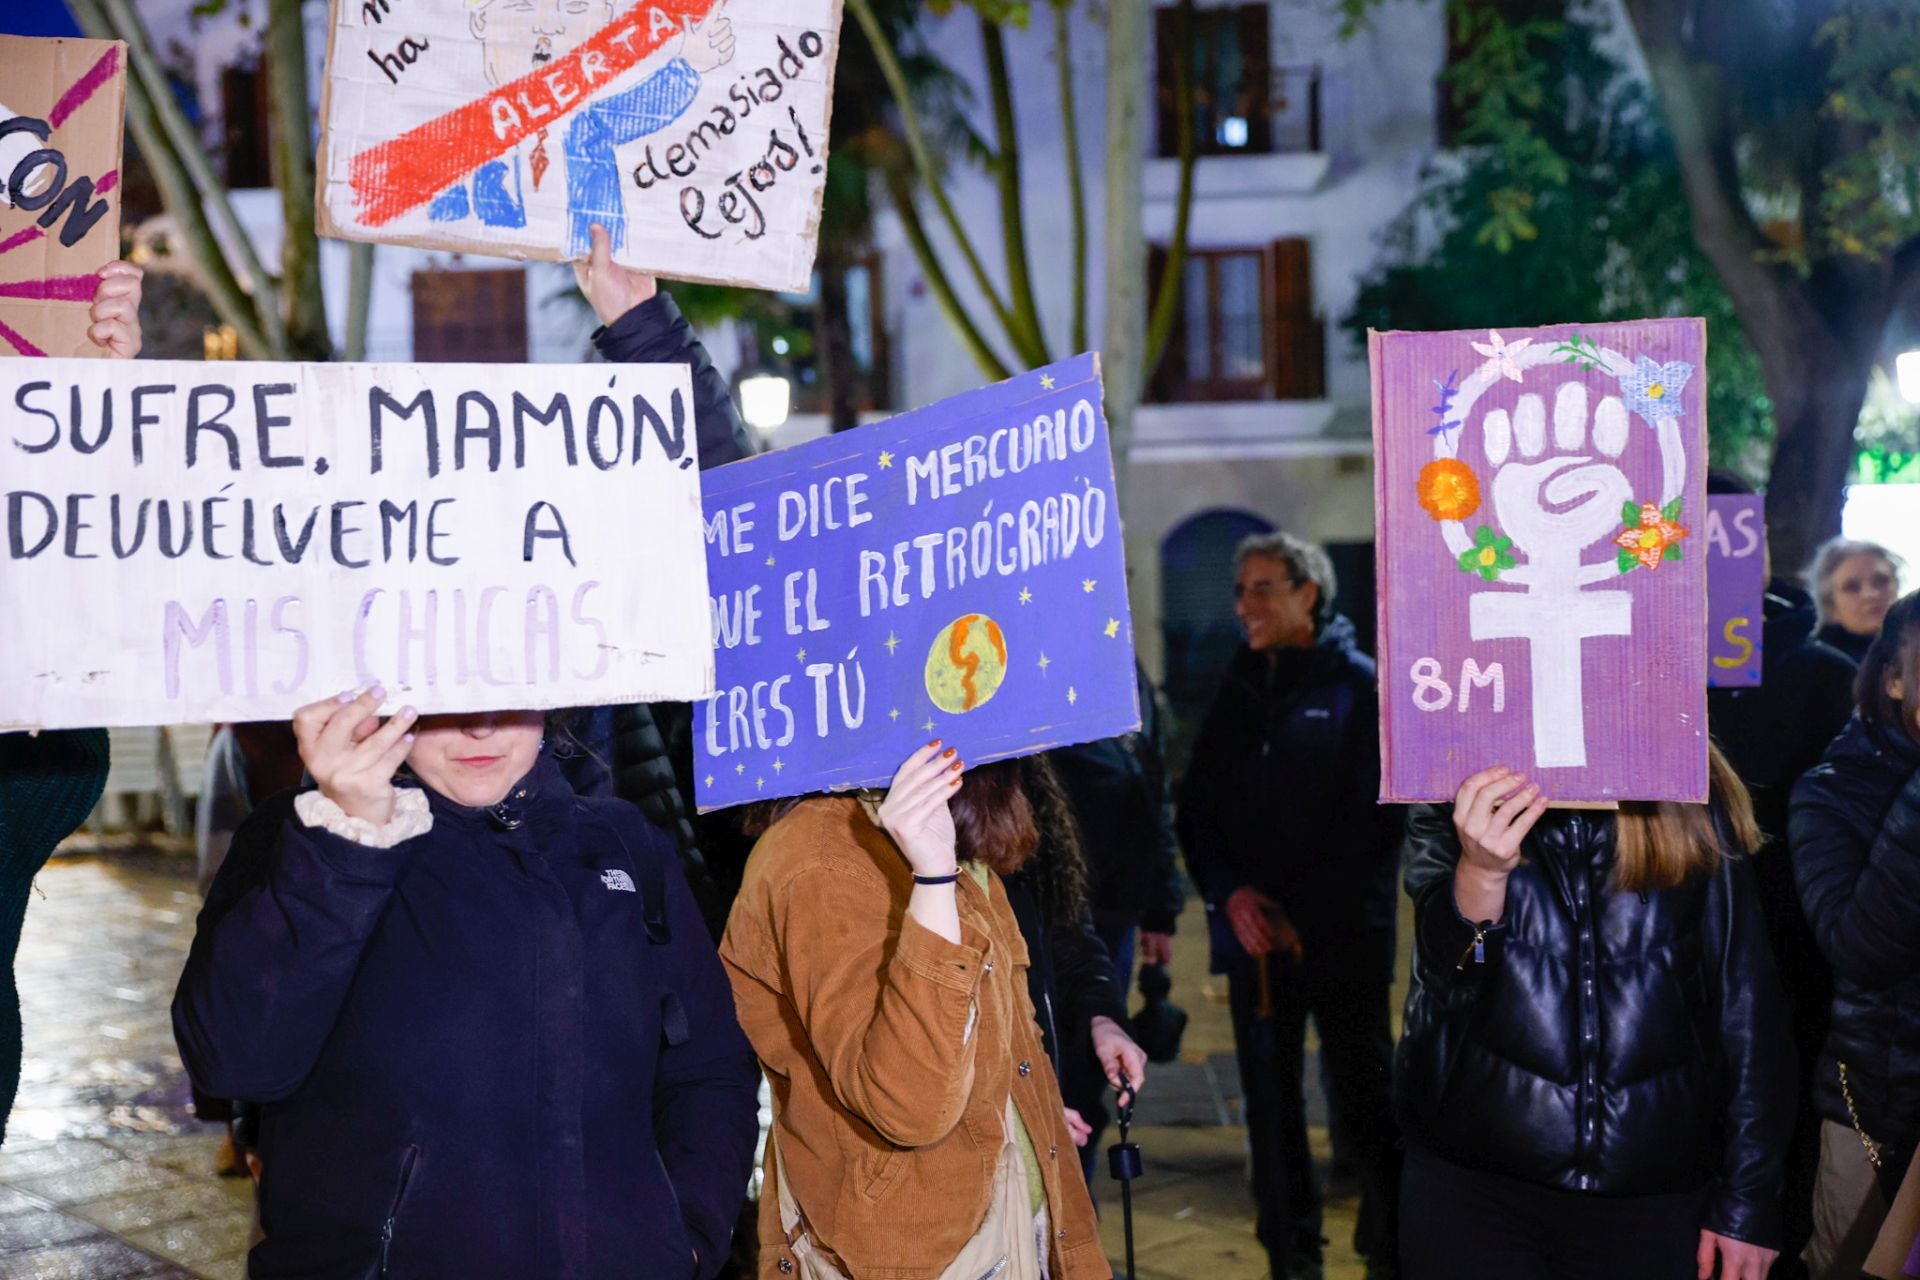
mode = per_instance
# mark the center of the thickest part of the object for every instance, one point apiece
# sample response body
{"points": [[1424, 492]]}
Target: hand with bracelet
{"points": [[917, 813]]}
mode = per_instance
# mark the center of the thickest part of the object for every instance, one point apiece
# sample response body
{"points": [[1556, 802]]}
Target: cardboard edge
{"points": [[323, 223], [1375, 349]]}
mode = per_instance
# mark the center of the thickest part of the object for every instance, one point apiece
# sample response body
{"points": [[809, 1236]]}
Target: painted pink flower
{"points": [[1502, 354]]}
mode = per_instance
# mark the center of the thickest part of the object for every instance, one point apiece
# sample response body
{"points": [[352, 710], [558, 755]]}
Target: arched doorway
{"points": [[1196, 614]]}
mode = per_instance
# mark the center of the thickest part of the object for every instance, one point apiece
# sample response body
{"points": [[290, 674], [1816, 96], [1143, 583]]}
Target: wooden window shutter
{"points": [[1296, 338], [470, 316], [1165, 386], [1256, 53]]}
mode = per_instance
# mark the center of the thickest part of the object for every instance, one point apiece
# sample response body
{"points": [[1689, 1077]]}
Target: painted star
{"points": [[1045, 662], [740, 768], [759, 784], [892, 643], [1086, 585], [801, 656], [1072, 695], [928, 726], [769, 561], [709, 779], [885, 460], [1026, 596], [894, 714], [778, 764], [1112, 628], [1046, 382]]}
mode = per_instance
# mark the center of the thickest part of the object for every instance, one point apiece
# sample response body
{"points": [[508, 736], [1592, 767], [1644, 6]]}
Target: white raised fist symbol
{"points": [[1556, 505]]}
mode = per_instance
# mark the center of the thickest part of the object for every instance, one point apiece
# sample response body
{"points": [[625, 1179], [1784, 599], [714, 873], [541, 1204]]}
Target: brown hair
{"points": [[1659, 843], [1005, 815], [1894, 652]]}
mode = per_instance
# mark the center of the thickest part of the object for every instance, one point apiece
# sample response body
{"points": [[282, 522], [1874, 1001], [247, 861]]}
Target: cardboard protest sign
{"points": [[62, 103], [956, 572], [695, 131], [1541, 579], [1735, 539], [204, 542]]}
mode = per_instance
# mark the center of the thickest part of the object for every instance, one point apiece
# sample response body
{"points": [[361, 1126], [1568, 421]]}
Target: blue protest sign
{"points": [[956, 572]]}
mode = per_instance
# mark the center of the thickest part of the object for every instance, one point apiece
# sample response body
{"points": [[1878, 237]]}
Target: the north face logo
{"points": [[618, 880]]}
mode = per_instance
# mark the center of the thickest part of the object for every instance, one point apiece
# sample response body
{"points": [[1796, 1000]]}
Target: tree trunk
{"points": [[286, 54], [1124, 350], [833, 344]]}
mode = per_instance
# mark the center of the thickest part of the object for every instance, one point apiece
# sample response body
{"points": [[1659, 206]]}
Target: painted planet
{"points": [[967, 664]]}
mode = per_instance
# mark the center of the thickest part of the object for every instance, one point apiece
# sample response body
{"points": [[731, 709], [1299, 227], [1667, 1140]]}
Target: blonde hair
{"points": [[1659, 844]]}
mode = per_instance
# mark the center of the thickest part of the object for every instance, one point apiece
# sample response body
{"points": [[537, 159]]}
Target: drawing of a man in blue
{"points": [[518, 36]]}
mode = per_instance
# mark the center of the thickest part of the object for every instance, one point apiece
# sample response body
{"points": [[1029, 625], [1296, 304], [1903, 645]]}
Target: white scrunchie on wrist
{"points": [[411, 818]]}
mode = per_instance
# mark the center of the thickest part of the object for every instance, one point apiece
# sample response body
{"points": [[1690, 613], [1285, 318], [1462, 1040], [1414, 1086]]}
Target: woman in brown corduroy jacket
{"points": [[879, 972]]}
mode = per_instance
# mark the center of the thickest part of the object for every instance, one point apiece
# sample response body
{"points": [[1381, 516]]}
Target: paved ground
{"points": [[106, 1175]]}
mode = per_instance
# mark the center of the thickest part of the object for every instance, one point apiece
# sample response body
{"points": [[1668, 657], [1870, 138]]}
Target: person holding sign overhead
{"points": [[49, 782], [879, 970], [1595, 1078], [488, 1029]]}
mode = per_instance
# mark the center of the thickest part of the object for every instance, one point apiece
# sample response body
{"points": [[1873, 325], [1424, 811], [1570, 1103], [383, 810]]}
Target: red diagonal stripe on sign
{"points": [[56, 289], [85, 87], [25, 235], [18, 341], [405, 172]]}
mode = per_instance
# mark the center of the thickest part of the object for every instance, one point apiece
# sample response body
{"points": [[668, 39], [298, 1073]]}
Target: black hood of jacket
{"points": [[1854, 831], [1598, 1041]]}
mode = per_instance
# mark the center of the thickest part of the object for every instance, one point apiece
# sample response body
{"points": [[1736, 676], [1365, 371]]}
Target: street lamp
{"points": [[766, 399], [1906, 370]]}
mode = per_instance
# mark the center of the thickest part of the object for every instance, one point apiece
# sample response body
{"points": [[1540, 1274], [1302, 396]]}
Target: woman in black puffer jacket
{"points": [[1595, 1077], [1855, 833]]}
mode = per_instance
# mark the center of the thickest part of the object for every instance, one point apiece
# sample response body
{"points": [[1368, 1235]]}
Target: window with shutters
{"points": [[1242, 103], [1246, 328], [472, 316], [246, 145]]}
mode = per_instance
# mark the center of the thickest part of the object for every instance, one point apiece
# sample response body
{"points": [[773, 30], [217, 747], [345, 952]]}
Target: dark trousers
{"points": [[1458, 1223], [1356, 1043]]}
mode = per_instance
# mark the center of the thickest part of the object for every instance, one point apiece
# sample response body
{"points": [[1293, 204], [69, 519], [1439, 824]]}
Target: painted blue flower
{"points": [[1653, 389]]}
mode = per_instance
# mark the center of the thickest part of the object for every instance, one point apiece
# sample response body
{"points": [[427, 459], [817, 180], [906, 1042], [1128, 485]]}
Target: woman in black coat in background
{"points": [[1595, 1078], [1855, 834]]}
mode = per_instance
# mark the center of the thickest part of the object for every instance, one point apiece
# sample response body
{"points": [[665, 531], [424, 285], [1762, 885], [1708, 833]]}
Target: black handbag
{"points": [[1160, 1023]]}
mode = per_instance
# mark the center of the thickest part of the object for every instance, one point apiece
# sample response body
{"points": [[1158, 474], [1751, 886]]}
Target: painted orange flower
{"points": [[1653, 538], [1448, 489]]}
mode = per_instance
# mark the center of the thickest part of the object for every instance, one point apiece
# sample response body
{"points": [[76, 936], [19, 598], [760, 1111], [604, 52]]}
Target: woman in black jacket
{"points": [[1595, 1078], [1077, 996], [1855, 833], [490, 1032]]}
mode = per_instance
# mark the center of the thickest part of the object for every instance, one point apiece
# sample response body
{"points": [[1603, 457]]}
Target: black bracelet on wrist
{"points": [[949, 878]]}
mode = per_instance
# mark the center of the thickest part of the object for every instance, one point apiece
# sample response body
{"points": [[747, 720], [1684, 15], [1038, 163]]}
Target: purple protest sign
{"points": [[955, 572], [1542, 590], [1736, 588]]}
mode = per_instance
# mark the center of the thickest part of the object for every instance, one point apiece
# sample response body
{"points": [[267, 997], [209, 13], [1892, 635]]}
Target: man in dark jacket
{"points": [[623, 750], [1123, 800], [1296, 860]]}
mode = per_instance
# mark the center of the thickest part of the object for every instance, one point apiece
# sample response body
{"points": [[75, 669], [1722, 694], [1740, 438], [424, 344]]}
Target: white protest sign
{"points": [[192, 542], [695, 131]]}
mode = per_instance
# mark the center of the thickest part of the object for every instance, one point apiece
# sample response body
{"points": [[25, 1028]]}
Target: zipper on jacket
{"points": [[393, 1213], [1477, 949]]}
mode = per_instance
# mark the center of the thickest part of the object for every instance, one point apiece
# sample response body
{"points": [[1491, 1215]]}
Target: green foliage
{"points": [[1869, 201], [1889, 436], [1607, 238]]}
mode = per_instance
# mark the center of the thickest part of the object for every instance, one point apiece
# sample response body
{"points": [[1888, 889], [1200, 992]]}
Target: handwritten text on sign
{"points": [[1541, 496], [1736, 588], [956, 572], [694, 132], [192, 542]]}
